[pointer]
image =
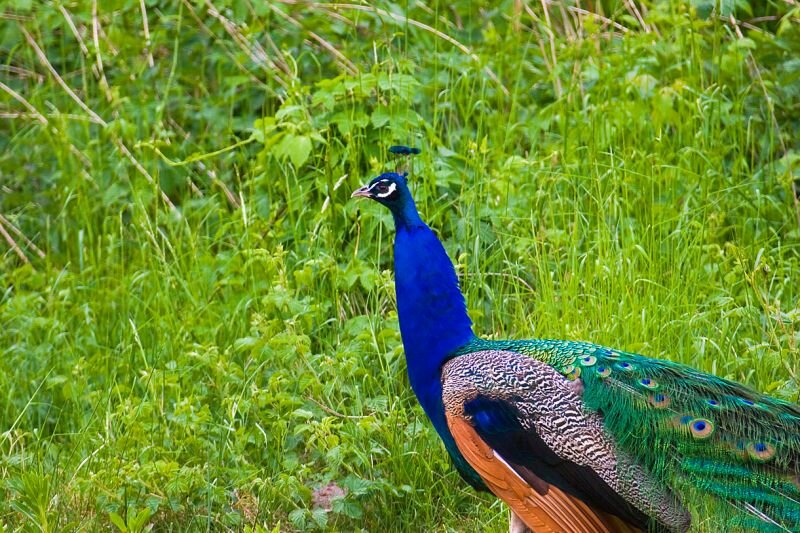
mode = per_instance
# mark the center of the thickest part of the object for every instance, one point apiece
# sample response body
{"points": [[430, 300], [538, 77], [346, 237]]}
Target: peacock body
{"points": [[575, 436]]}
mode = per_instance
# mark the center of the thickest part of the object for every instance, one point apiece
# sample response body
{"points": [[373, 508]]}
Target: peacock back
{"points": [[732, 452]]}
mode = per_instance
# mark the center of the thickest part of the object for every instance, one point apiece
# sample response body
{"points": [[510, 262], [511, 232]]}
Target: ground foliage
{"points": [[198, 326]]}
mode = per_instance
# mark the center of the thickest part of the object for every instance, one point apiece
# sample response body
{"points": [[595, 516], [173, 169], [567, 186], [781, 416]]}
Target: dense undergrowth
{"points": [[197, 327]]}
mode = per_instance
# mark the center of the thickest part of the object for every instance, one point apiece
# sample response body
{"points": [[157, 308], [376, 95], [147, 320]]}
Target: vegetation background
{"points": [[197, 327]]}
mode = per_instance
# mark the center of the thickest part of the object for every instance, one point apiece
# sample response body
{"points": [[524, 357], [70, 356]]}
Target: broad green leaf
{"points": [[299, 150]]}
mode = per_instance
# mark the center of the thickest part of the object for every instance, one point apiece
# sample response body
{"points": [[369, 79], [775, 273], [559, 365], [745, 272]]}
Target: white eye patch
{"points": [[389, 191]]}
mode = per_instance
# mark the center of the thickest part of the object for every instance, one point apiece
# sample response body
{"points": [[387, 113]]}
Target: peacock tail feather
{"points": [[717, 443]]}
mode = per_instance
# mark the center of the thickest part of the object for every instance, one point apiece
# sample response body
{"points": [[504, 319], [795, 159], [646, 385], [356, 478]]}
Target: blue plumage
{"points": [[434, 321]]}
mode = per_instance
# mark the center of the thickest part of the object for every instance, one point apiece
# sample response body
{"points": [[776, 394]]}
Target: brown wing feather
{"points": [[551, 512]]}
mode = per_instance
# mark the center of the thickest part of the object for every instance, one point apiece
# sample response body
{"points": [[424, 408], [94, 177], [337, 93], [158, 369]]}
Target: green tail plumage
{"points": [[733, 453]]}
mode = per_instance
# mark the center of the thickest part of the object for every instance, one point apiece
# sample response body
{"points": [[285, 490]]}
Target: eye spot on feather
{"points": [[648, 383], [701, 428], [574, 374], [589, 360], [659, 400], [613, 355], [712, 403], [603, 371], [750, 403], [625, 366], [761, 451]]}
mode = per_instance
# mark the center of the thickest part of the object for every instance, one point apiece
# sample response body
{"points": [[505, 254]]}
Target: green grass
{"points": [[209, 334]]}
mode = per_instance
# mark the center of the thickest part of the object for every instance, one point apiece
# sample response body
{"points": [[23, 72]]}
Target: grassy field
{"points": [[197, 326]]}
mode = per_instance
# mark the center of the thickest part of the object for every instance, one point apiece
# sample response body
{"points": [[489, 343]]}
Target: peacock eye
{"points": [[384, 189]]}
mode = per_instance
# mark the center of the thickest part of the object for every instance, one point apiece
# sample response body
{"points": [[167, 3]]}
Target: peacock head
{"points": [[389, 189]]}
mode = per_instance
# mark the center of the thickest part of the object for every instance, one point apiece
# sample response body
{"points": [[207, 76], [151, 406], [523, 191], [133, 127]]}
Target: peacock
{"points": [[579, 437]]}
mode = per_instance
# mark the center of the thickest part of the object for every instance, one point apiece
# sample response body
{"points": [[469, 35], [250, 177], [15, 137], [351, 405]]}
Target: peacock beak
{"points": [[363, 192]]}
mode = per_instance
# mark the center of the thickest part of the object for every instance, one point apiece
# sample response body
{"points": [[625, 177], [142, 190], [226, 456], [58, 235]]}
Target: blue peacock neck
{"points": [[431, 309]]}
